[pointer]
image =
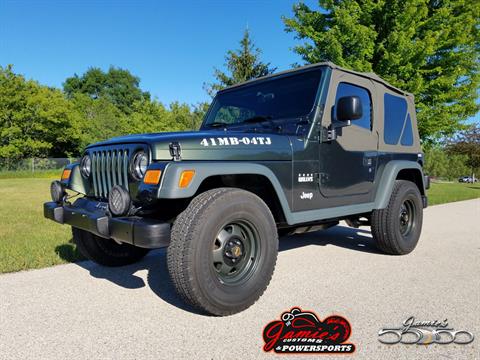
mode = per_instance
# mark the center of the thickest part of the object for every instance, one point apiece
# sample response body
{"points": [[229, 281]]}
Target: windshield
{"points": [[284, 98]]}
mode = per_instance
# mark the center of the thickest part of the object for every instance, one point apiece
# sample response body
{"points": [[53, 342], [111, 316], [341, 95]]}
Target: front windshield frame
{"points": [[207, 121]]}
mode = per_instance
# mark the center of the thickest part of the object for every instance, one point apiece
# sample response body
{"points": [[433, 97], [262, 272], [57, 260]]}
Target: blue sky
{"points": [[172, 46]]}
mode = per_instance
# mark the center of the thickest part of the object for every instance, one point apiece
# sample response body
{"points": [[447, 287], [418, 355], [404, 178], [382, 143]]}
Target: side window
{"points": [[407, 136], [396, 119], [345, 89]]}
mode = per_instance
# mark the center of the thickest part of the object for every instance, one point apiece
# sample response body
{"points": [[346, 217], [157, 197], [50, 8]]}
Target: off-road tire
{"points": [[190, 256], [106, 252], [386, 223]]}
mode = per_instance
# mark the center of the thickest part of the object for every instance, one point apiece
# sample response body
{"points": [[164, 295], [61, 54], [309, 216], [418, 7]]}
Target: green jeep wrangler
{"points": [[287, 153]]}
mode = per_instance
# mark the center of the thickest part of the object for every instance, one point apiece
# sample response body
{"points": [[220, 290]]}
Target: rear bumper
{"points": [[91, 216], [425, 201], [426, 181]]}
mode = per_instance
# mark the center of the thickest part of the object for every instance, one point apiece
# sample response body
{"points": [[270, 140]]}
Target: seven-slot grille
{"points": [[109, 168]]}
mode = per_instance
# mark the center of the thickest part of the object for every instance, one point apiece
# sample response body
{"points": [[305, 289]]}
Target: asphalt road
{"points": [[87, 311]]}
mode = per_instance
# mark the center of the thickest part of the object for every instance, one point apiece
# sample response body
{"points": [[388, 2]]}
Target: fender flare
{"points": [[169, 189], [389, 175]]}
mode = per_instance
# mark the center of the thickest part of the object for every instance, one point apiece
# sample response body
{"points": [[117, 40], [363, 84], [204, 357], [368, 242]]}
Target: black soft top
{"points": [[368, 75]]}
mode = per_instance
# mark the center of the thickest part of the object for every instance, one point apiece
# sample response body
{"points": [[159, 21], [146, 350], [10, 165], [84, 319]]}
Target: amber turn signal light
{"points": [[186, 178], [66, 174], [152, 177]]}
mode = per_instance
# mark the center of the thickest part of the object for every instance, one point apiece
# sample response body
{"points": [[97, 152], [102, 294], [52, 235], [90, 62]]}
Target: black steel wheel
{"points": [[396, 229], [223, 250], [235, 252], [407, 217]]}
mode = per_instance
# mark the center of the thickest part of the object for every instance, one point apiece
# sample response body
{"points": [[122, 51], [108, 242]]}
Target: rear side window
{"points": [[397, 123], [407, 136], [345, 89]]}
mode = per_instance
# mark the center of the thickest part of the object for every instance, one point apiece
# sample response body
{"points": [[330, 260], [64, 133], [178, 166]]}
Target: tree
{"points": [[467, 143], [34, 120], [199, 112], [117, 85], [440, 164], [242, 65], [38, 121], [98, 120], [427, 47]]}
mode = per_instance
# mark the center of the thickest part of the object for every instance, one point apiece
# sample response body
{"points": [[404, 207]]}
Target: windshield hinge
{"points": [[329, 134]]}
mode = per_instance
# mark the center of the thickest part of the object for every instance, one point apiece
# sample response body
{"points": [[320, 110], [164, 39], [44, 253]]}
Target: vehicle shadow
{"points": [[340, 236], [158, 280], [155, 263]]}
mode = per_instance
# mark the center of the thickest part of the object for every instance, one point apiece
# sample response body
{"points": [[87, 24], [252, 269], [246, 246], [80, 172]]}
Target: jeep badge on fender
{"points": [[294, 151]]}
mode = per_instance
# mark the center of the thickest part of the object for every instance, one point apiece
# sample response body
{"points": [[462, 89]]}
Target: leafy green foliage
{"points": [[118, 86], [38, 121], [98, 120], [242, 65], [467, 143], [438, 163], [153, 116], [34, 120], [429, 48]]}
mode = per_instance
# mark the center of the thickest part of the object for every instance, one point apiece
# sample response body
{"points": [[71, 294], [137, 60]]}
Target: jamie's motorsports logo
{"points": [[424, 333], [302, 332]]}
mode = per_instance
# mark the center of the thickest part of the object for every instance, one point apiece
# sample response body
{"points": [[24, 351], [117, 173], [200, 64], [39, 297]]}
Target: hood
{"points": [[212, 145]]}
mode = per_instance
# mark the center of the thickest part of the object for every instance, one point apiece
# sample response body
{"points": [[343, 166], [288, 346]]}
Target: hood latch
{"points": [[175, 151]]}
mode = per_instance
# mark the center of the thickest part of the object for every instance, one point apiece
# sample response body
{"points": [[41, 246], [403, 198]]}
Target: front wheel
{"points": [[223, 251], [396, 229], [106, 252]]}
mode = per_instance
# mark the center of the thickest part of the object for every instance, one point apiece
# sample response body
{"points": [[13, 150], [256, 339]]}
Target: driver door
{"points": [[348, 162]]}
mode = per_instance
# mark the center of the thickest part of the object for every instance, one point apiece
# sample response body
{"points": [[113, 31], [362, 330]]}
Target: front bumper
{"points": [[92, 216]]}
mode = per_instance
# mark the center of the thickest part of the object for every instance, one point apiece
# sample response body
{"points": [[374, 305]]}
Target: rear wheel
{"points": [[106, 251], [396, 229], [223, 250]]}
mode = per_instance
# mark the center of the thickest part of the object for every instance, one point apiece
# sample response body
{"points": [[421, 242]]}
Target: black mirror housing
{"points": [[349, 108]]}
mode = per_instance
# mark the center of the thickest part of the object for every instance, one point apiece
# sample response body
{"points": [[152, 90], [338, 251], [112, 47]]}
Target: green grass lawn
{"points": [[28, 240], [440, 193], [10, 174]]}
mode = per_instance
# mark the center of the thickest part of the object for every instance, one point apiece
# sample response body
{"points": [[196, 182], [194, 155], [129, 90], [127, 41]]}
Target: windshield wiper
{"points": [[258, 119], [218, 124], [263, 118]]}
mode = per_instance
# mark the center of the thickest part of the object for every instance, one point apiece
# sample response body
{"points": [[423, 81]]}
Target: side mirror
{"points": [[349, 108]]}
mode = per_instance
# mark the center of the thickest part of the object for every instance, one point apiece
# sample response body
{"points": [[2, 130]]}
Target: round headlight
{"points": [[139, 165], [86, 166]]}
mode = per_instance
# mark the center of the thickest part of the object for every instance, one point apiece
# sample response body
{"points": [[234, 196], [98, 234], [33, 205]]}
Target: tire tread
{"points": [[383, 231], [179, 263]]}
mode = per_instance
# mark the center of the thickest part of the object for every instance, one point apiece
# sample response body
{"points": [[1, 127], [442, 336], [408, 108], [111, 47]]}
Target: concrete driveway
{"points": [[90, 312]]}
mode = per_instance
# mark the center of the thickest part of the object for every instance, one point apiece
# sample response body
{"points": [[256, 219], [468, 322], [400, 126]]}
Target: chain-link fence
{"points": [[34, 164]]}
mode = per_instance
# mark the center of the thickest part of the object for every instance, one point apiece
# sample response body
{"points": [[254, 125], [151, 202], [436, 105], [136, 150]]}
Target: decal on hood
{"points": [[233, 140]]}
